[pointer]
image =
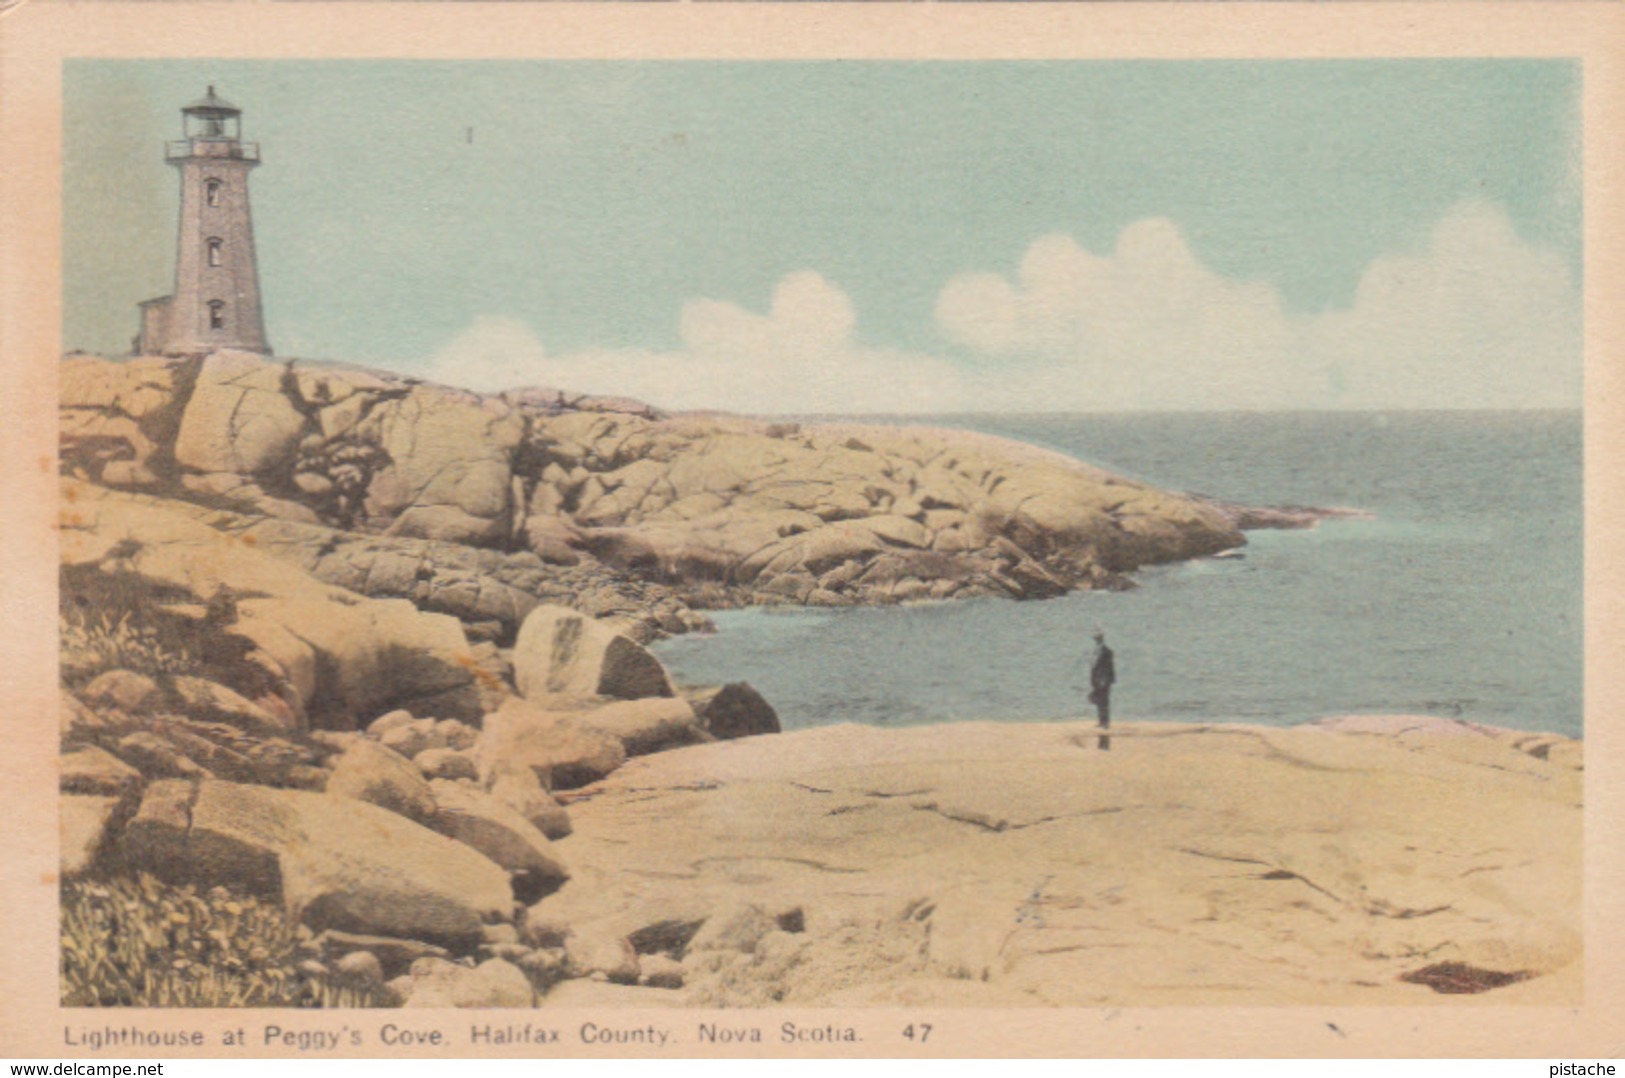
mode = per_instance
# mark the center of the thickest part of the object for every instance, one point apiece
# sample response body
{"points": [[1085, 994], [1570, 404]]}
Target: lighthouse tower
{"points": [[216, 303]]}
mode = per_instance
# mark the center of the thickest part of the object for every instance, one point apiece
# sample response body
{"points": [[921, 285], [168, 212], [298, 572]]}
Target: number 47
{"points": [[922, 1031]]}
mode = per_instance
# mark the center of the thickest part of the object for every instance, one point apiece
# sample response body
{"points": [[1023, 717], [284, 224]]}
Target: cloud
{"points": [[1478, 318], [799, 357], [1147, 326], [809, 322], [803, 356], [488, 355]]}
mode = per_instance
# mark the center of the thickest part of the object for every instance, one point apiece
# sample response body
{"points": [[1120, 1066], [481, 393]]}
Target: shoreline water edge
{"points": [[358, 710]]}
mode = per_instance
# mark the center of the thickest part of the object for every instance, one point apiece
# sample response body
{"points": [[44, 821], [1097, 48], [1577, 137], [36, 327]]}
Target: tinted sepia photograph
{"points": [[740, 536]]}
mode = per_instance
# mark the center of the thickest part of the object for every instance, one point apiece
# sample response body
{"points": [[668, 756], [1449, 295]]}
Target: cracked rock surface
{"points": [[261, 559], [717, 510], [1022, 864]]}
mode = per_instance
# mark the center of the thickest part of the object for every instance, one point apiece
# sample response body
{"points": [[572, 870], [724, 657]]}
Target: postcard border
{"points": [[35, 39]]}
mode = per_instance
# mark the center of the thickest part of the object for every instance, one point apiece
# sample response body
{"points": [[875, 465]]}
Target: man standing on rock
{"points": [[1102, 675]]}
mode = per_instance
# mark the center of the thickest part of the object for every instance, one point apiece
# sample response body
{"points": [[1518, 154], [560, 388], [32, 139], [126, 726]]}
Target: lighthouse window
{"points": [[214, 251], [211, 192], [217, 314]]}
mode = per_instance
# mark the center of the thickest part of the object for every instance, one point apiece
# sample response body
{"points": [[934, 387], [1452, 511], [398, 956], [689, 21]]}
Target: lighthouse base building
{"points": [[216, 302]]}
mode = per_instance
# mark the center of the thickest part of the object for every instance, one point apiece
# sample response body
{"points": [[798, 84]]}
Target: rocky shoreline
{"points": [[356, 706], [966, 865], [481, 505]]}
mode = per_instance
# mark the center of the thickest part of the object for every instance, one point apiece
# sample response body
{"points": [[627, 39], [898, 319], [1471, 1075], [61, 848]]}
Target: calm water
{"points": [[1462, 598]]}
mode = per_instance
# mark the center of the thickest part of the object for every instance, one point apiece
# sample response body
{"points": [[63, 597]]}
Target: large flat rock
{"points": [[335, 862], [997, 864]]}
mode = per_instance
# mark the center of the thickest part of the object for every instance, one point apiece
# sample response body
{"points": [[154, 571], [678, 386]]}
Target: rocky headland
{"points": [[363, 657], [469, 504]]}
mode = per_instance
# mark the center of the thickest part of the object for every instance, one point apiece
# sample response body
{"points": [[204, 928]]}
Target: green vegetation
{"points": [[110, 619], [138, 942], [96, 642]]}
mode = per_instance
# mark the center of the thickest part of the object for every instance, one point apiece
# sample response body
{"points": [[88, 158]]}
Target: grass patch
{"points": [[99, 641], [113, 620], [110, 621], [138, 942]]}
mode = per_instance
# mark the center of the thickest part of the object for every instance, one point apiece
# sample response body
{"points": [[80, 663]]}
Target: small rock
{"points": [[500, 933], [91, 770], [313, 484], [408, 741], [362, 966], [478, 820], [508, 952], [430, 729], [522, 791], [446, 764], [735, 710], [545, 965], [213, 702], [84, 823], [305, 777], [910, 590], [156, 758], [660, 971], [542, 931], [371, 772], [124, 689], [79, 722], [335, 741], [550, 537], [597, 951], [493, 983], [430, 982], [395, 954], [456, 734], [391, 721], [644, 726], [520, 733]]}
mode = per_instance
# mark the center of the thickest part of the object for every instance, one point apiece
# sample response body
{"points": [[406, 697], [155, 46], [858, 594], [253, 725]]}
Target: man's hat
{"points": [[1100, 634]]}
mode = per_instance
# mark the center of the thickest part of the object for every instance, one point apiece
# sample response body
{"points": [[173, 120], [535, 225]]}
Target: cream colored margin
{"points": [[37, 36]]}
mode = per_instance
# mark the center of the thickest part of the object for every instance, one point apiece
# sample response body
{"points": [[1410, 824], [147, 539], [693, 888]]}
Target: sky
{"points": [[835, 236]]}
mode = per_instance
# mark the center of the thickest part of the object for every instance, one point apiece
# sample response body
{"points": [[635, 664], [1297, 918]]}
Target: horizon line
{"points": [[886, 414]]}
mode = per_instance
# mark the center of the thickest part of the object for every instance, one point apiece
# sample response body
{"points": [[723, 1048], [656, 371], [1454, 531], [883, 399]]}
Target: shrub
{"points": [[97, 641], [115, 620], [137, 942]]}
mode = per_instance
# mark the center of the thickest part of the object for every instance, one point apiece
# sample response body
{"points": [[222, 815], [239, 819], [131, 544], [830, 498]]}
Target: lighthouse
{"points": [[216, 302]]}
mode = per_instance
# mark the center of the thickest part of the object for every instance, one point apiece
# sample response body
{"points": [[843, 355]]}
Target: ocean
{"points": [[1461, 597]]}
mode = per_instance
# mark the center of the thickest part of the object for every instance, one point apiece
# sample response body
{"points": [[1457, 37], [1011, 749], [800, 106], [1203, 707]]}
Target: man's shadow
{"points": [[1103, 740]]}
